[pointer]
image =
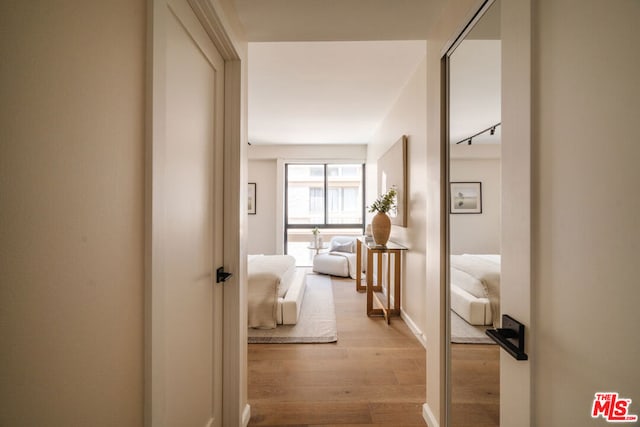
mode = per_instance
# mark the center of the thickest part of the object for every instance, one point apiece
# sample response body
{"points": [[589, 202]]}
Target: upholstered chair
{"points": [[340, 260]]}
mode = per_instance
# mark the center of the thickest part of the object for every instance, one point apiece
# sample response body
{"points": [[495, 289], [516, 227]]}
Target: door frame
{"points": [[235, 410], [516, 392], [516, 210]]}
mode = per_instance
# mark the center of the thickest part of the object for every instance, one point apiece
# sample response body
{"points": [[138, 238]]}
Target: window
{"points": [[327, 196]]}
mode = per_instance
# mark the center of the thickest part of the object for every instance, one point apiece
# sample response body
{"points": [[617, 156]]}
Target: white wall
{"points": [[407, 117], [587, 227], [260, 239], [71, 216], [266, 168], [477, 233]]}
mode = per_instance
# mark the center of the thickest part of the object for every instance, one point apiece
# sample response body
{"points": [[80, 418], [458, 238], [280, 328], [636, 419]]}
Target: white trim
{"points": [[428, 416], [246, 415], [320, 160], [235, 304], [154, 396], [414, 328], [516, 243], [214, 24], [279, 229]]}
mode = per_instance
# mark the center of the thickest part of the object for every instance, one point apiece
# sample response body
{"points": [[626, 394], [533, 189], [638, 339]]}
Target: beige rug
{"points": [[317, 321], [464, 333]]}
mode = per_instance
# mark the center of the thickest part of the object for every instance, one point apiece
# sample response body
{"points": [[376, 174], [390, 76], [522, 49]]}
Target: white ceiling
{"points": [[475, 90], [325, 92], [328, 71], [337, 20]]}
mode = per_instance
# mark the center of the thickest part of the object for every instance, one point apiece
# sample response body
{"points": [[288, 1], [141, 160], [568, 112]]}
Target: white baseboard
{"points": [[246, 415], [414, 328], [428, 416]]}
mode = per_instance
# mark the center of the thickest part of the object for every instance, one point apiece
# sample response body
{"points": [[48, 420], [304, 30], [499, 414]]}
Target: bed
{"points": [[475, 288], [275, 290]]}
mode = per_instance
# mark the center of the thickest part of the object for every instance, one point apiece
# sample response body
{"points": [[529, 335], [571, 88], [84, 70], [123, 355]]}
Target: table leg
{"points": [[397, 274], [379, 282], [359, 287], [369, 284]]}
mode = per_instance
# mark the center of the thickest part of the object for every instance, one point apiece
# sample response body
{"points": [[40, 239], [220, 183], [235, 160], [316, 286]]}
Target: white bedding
{"points": [[269, 279], [475, 288]]}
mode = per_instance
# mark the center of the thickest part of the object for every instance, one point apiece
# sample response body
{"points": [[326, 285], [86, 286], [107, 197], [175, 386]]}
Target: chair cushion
{"points": [[331, 264]]}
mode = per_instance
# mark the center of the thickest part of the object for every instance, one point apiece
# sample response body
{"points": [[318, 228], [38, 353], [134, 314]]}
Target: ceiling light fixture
{"points": [[490, 129]]}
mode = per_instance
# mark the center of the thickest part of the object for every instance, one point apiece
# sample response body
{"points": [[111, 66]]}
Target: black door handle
{"points": [[221, 275]]}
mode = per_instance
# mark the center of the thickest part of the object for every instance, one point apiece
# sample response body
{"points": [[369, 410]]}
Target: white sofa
{"points": [[340, 260]]}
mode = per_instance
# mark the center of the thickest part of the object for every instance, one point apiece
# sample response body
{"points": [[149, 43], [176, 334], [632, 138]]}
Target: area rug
{"points": [[464, 333], [317, 321]]}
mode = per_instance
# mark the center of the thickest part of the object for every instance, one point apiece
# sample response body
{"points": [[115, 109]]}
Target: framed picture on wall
{"points": [[466, 198], [392, 172], [251, 207]]}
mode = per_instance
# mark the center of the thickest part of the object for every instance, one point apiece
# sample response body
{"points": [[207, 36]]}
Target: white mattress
{"points": [[469, 297]]}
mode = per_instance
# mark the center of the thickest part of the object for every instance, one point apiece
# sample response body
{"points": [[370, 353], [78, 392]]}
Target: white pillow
{"points": [[342, 247]]}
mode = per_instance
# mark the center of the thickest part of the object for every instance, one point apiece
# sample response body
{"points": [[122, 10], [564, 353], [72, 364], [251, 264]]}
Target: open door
{"points": [[514, 25], [187, 234]]}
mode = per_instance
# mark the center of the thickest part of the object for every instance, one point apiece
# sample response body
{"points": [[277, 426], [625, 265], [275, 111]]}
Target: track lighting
{"points": [[490, 129]]}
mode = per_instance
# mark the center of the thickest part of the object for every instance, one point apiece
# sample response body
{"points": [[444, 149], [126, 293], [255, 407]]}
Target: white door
{"points": [[193, 222]]}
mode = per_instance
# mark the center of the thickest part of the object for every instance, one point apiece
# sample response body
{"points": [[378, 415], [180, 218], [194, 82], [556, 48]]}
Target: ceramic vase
{"points": [[381, 228]]}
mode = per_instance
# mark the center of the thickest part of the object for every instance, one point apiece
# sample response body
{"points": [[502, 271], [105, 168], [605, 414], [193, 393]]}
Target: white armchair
{"points": [[341, 259]]}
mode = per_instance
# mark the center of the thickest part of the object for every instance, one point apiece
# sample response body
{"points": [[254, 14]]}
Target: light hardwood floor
{"points": [[374, 375], [475, 385]]}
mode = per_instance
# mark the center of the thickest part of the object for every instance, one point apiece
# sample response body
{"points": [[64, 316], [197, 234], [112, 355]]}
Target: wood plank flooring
{"points": [[475, 385], [374, 375]]}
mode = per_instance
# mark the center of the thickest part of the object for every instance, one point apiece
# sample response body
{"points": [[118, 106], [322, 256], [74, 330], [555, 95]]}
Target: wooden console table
{"points": [[374, 291]]}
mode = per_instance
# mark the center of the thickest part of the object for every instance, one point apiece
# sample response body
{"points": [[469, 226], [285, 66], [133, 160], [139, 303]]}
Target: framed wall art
{"points": [[251, 207], [392, 172], [466, 198]]}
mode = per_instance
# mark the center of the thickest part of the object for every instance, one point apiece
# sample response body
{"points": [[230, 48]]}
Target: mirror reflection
{"points": [[474, 222]]}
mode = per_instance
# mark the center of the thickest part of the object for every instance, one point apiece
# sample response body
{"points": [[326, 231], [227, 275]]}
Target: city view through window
{"points": [[328, 197]]}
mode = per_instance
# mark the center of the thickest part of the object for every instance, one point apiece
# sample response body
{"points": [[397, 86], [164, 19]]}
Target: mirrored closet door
{"points": [[473, 229]]}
